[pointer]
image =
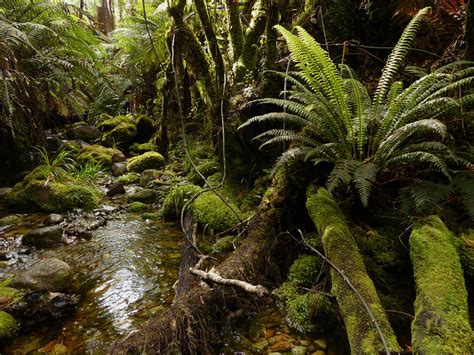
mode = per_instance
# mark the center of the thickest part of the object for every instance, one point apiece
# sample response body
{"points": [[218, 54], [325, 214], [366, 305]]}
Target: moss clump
{"points": [[311, 312], [213, 214], [224, 244], [286, 291], [148, 160], [441, 323], [108, 123], [98, 154], [118, 130], [129, 178], [138, 207], [10, 293], [175, 200], [8, 325], [152, 216], [206, 168], [304, 270], [143, 147], [34, 194], [466, 253]]}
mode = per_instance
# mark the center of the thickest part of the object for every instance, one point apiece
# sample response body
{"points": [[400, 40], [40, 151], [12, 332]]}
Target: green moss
{"points": [[148, 160], [213, 214], [153, 216], [98, 154], [304, 270], [10, 293], [143, 147], [8, 325], [137, 207], [286, 291], [175, 200], [441, 323], [108, 123], [224, 244], [129, 178], [206, 168], [122, 134], [310, 312], [466, 253]]}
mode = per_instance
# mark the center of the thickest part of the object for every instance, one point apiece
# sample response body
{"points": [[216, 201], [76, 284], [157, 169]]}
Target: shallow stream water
{"points": [[124, 274]]}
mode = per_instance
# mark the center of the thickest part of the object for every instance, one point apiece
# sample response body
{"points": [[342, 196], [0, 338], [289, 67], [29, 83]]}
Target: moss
{"points": [[153, 216], [441, 323], [98, 154], [8, 325], [304, 270], [224, 244], [466, 253], [143, 147], [213, 214], [206, 168], [123, 134], [10, 293], [108, 123], [175, 200], [310, 312], [137, 207], [287, 291], [148, 160], [129, 178], [33, 194]]}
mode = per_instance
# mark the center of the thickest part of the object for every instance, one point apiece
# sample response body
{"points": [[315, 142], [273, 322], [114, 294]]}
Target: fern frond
{"points": [[342, 173], [364, 177]]}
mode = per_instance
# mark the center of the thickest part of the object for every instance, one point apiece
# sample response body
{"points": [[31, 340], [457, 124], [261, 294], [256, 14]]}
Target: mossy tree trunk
{"points": [[441, 324], [235, 28], [189, 325], [341, 248]]}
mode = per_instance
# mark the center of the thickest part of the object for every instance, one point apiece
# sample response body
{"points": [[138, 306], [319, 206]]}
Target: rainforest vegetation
{"points": [[258, 176]]}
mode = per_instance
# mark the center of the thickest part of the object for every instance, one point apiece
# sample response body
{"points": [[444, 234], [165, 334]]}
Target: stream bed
{"points": [[123, 275]]}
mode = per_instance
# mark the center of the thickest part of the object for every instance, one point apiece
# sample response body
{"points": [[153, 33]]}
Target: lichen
{"points": [[441, 323], [98, 154], [304, 270], [175, 200], [8, 325], [213, 214], [148, 160]]}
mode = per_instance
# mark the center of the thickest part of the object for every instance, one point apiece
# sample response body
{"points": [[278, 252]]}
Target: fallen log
{"points": [[441, 324], [340, 247], [189, 325]]}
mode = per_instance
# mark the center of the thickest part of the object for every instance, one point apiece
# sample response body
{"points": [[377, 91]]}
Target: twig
{"points": [[400, 312], [349, 283]]}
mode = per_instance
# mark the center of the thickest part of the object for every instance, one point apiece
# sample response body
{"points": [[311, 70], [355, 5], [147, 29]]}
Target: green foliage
{"points": [[329, 116], [176, 199], [54, 169], [87, 172]]}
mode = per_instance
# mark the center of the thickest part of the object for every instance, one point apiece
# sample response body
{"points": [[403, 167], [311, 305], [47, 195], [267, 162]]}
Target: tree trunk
{"points": [[341, 248], [235, 28], [469, 31], [441, 324], [190, 324]]}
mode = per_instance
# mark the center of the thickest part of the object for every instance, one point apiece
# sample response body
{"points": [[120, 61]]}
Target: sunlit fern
{"points": [[329, 115]]}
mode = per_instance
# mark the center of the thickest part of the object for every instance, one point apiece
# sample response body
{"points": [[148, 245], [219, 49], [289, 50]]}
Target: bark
{"points": [[105, 17], [235, 28], [341, 248], [189, 325], [469, 31], [441, 324]]}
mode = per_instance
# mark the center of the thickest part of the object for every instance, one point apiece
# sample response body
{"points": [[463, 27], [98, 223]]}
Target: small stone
{"points": [[299, 350], [116, 189], [118, 157], [281, 338], [269, 332], [59, 349], [53, 218], [281, 346], [43, 237], [148, 176], [305, 343], [320, 343], [119, 169], [85, 133]]}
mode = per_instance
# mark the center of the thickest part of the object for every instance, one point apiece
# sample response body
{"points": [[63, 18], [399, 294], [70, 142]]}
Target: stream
{"points": [[123, 275]]}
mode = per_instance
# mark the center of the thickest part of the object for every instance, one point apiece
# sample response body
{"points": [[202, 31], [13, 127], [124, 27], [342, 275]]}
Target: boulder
{"points": [[148, 176], [118, 169], [143, 195], [118, 157], [85, 133], [8, 325], [43, 237], [53, 218], [148, 160], [116, 189], [51, 274], [138, 207], [99, 154]]}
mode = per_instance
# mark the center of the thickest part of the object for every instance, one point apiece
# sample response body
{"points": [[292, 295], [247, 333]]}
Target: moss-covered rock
{"points": [[8, 326], [213, 214], [143, 195], [34, 194], [143, 147], [148, 176], [148, 160], [206, 168], [120, 130], [129, 178], [152, 216], [287, 291], [304, 270], [138, 207], [224, 244], [98, 154], [175, 200], [108, 123], [441, 324]]}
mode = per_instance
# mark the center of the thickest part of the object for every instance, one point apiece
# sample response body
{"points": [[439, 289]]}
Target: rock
{"points": [[59, 349], [118, 169], [137, 207], [4, 191], [53, 218], [148, 160], [8, 326], [319, 352], [269, 332], [142, 148], [281, 346], [98, 154], [118, 157], [152, 216], [85, 133], [122, 134], [9, 220], [260, 344], [299, 350], [279, 338], [305, 343], [129, 178], [320, 344], [116, 189], [43, 237], [51, 274], [143, 195], [148, 176]]}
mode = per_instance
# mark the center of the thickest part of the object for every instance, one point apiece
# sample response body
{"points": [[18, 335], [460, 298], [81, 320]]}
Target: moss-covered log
{"points": [[341, 248], [441, 324], [189, 325]]}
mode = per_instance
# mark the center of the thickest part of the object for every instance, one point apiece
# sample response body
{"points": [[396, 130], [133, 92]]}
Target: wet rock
{"points": [[305, 343], [43, 237], [116, 189], [51, 274], [53, 218], [85, 133], [149, 175], [319, 352], [118, 157], [138, 207], [143, 195], [4, 191], [119, 169], [261, 344]]}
